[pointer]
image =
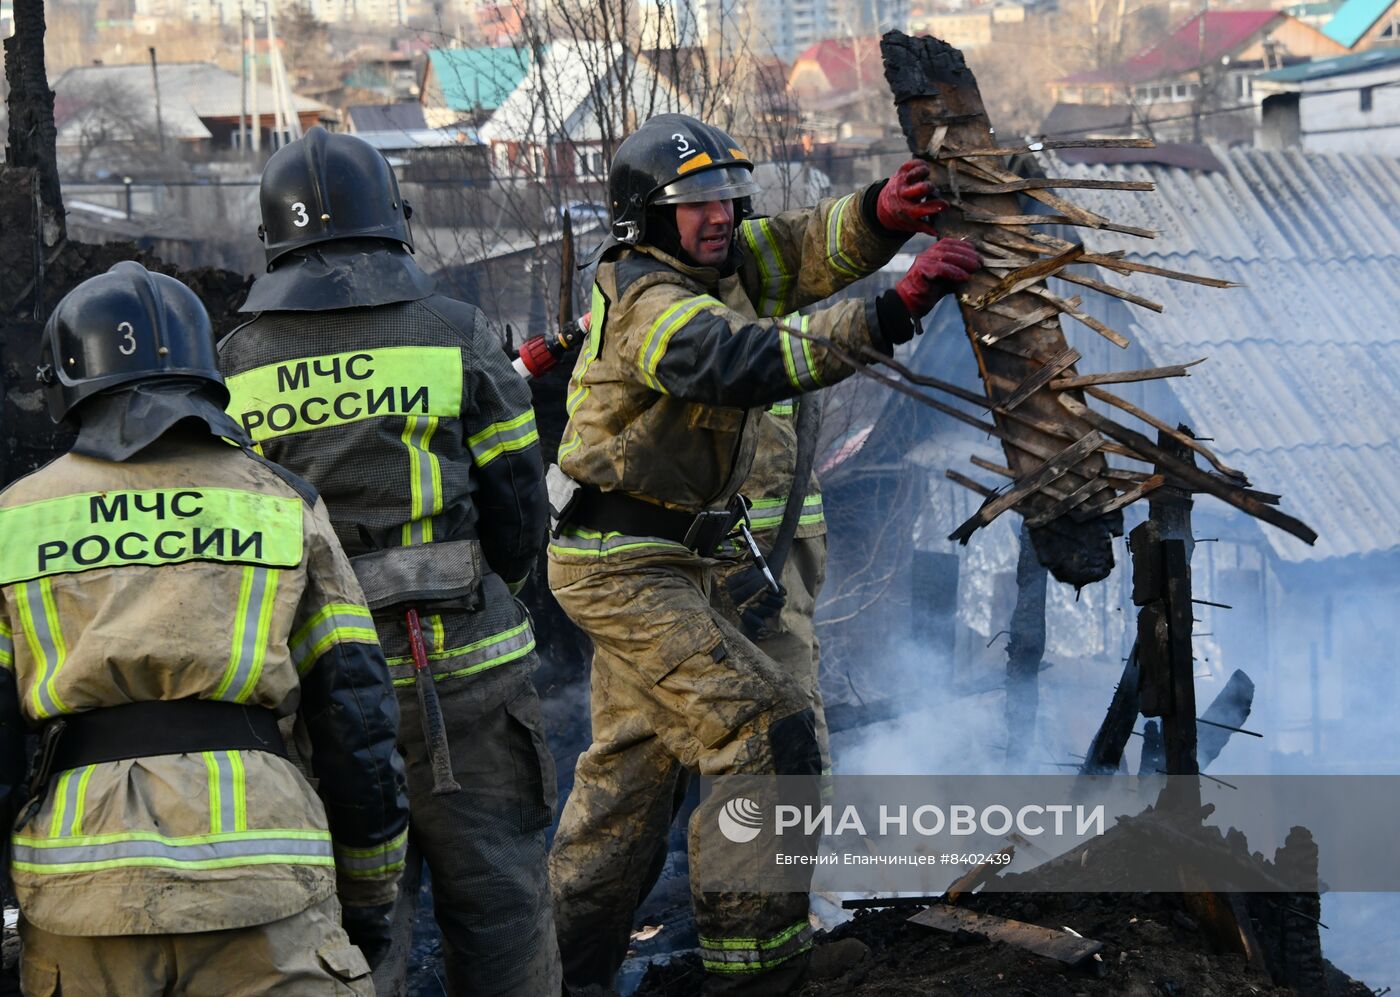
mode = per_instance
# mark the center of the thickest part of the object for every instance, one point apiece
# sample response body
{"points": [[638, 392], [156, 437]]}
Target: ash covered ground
{"points": [[1152, 948]]}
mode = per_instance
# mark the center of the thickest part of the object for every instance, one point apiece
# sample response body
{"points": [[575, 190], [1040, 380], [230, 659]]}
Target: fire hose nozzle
{"points": [[539, 354]]}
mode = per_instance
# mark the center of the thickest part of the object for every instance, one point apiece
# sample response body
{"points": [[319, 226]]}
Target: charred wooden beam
{"points": [[1175, 434], [970, 484], [1125, 376], [1191, 475], [1062, 946], [1036, 380], [937, 96], [982, 872], [1046, 145], [1106, 749], [1226, 713], [1030, 483]]}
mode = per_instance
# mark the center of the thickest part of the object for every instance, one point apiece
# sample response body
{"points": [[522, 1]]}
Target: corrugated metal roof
{"points": [[403, 116], [1302, 388], [1321, 69]]}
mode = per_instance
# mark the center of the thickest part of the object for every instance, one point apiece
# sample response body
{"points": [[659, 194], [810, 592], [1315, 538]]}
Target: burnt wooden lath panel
{"points": [[1056, 447]]}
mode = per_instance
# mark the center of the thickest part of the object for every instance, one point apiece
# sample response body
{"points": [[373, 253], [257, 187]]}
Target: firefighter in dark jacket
{"points": [[399, 404], [665, 405], [165, 598]]}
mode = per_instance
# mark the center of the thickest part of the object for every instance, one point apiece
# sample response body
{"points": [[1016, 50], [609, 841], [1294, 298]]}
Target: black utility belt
{"points": [[163, 727], [617, 512]]}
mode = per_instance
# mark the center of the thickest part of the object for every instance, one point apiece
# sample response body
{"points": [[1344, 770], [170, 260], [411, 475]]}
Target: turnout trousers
{"points": [[484, 846], [674, 687], [307, 953], [795, 646]]}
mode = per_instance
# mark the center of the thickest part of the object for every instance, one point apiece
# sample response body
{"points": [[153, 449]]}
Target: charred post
{"points": [[1024, 651], [1170, 509], [32, 133]]}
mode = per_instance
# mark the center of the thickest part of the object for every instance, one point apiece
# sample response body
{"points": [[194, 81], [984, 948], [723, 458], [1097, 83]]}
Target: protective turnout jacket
{"points": [[192, 570], [668, 397], [410, 421]]}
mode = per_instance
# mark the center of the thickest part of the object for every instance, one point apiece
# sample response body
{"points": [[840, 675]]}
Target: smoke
{"points": [[1317, 640]]}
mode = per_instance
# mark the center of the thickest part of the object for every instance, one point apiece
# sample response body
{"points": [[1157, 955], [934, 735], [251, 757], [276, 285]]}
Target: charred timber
{"points": [[938, 98]]}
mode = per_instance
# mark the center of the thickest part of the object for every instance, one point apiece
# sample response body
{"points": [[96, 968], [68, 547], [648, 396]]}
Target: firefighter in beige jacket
{"points": [[165, 598], [665, 405]]}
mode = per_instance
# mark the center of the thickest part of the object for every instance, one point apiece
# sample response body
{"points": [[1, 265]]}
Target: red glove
{"points": [[947, 261], [908, 201]]}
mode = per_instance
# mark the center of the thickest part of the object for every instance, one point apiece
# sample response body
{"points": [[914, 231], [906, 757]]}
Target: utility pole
{"points": [[155, 84], [243, 91], [279, 119], [256, 121], [1199, 103]]}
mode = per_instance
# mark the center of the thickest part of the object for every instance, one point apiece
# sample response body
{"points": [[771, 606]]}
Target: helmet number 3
{"points": [[683, 147], [302, 219], [128, 343]]}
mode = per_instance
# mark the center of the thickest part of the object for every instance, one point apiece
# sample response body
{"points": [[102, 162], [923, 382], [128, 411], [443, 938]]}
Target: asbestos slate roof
{"points": [[1302, 386], [189, 92]]}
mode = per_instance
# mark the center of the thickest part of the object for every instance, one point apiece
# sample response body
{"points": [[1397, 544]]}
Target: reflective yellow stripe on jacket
{"points": [[39, 620], [775, 278], [424, 479], [94, 853], [337, 622], [801, 367], [577, 541], [767, 514], [498, 649], [661, 331]]}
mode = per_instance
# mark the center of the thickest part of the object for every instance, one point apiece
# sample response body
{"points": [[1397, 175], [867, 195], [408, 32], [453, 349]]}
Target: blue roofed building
{"points": [[1360, 24], [468, 84]]}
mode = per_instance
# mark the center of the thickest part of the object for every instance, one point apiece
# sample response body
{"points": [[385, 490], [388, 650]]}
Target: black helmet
{"points": [[673, 159], [323, 187], [125, 325]]}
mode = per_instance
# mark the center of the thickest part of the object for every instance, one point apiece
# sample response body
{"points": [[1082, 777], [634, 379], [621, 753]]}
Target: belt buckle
{"points": [[709, 527]]}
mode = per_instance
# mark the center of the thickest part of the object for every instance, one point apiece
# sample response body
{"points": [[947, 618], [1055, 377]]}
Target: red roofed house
{"points": [[839, 85], [836, 68], [1195, 83]]}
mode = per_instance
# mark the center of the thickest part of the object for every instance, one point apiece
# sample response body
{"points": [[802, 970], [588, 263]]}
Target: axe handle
{"points": [[430, 710]]}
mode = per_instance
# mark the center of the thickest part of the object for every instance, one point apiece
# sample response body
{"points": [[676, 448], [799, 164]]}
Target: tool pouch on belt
{"points": [[41, 769], [446, 574], [618, 512], [712, 526]]}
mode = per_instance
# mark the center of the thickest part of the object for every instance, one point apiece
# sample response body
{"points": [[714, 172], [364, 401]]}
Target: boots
{"points": [[822, 963]]}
